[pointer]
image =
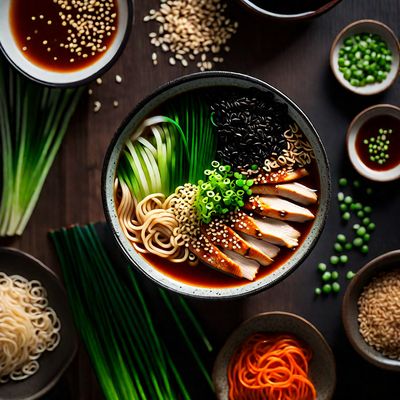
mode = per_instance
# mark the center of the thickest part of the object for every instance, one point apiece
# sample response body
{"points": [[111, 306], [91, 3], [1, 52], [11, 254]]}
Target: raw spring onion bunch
{"points": [[33, 122], [112, 312], [221, 192], [168, 151]]}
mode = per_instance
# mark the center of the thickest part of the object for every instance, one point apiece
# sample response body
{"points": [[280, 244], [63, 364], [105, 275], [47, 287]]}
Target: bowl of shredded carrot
{"points": [[275, 356]]}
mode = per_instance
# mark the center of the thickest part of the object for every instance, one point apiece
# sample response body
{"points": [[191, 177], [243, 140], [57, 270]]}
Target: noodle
{"points": [[298, 151], [28, 327], [270, 366]]}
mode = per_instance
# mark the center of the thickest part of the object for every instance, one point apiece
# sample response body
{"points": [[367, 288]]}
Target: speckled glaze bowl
{"points": [[182, 85], [322, 365], [363, 277]]}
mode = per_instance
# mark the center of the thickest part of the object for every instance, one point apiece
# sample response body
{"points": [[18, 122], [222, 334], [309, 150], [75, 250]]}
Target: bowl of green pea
{"points": [[365, 57]]}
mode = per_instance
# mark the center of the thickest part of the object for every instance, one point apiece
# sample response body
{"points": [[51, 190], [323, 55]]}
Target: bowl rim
{"points": [[212, 292], [74, 336], [349, 132], [376, 264], [289, 17], [335, 43], [285, 315], [101, 71]]}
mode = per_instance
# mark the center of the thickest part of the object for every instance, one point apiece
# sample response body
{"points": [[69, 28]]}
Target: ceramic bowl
{"points": [[362, 278], [367, 26], [322, 365], [52, 363], [312, 10], [182, 85], [353, 131], [64, 79]]}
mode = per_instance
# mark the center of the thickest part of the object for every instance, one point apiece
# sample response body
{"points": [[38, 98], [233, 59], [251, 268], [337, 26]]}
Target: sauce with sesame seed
{"points": [[63, 35]]}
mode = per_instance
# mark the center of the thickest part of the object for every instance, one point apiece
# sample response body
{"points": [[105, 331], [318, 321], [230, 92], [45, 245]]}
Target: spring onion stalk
{"points": [[33, 122], [111, 312]]}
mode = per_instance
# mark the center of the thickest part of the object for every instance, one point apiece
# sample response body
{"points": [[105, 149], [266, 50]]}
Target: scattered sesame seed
{"points": [[115, 103], [90, 92], [118, 78], [99, 81], [97, 106], [24, 48]]}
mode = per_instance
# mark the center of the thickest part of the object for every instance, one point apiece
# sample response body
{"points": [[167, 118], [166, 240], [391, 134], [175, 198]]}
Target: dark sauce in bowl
{"points": [[63, 35], [290, 6], [370, 129]]}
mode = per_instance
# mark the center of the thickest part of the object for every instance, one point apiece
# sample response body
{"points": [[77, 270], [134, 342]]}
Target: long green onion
{"points": [[33, 122], [112, 312]]}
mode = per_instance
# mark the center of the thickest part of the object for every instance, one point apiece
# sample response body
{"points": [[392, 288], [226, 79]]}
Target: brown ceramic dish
{"points": [[367, 26], [54, 363], [322, 365], [350, 309], [289, 15]]}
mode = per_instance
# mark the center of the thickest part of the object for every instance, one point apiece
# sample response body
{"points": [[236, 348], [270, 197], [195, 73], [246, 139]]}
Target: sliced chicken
{"points": [[215, 258], [293, 191], [272, 230], [265, 247], [224, 237], [275, 207], [249, 265], [280, 176]]}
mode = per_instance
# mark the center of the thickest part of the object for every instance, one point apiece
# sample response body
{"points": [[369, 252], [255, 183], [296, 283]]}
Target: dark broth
{"points": [[370, 129], [39, 33], [290, 6]]}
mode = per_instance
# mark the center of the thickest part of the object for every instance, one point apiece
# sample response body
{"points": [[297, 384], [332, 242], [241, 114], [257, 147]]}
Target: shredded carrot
{"points": [[270, 366]]}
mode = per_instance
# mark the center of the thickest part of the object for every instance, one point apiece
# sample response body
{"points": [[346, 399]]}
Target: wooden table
{"points": [[294, 58]]}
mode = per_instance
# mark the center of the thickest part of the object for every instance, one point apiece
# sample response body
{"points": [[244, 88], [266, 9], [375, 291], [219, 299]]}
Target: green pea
{"points": [[326, 276], [358, 206], [366, 237], [343, 182], [321, 267], [366, 221], [357, 242], [340, 196], [360, 214], [369, 191], [344, 258], [317, 291], [357, 183], [335, 287], [361, 231], [338, 247], [346, 216], [335, 275], [349, 275], [343, 207], [348, 199], [348, 246], [354, 82], [254, 167], [356, 226], [364, 249], [352, 206], [334, 260], [368, 209], [371, 226], [347, 74], [341, 238], [327, 288]]}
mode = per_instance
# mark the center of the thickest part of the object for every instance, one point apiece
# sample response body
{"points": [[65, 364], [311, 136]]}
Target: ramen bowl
{"points": [[16, 46], [195, 281]]}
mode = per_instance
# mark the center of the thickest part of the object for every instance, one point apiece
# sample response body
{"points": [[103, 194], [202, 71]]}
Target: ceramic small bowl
{"points": [[322, 365], [204, 81], [261, 8], [362, 278], [374, 27], [64, 79], [52, 363], [353, 131]]}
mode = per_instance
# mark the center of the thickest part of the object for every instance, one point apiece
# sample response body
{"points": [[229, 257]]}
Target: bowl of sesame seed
{"points": [[64, 42]]}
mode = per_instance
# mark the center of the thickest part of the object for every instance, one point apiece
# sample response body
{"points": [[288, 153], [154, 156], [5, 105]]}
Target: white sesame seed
{"points": [[118, 78]]}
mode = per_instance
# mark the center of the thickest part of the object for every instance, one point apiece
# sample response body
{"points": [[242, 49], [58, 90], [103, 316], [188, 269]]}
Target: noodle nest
{"points": [[28, 327]]}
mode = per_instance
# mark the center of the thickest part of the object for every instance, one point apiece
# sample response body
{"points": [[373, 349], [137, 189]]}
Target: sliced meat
{"points": [[215, 258], [272, 230], [265, 247], [224, 237], [282, 175], [275, 207], [293, 191], [249, 266]]}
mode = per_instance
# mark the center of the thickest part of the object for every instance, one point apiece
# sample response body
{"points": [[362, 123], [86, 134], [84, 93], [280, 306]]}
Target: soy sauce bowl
{"points": [[48, 77], [263, 8], [378, 175], [374, 27]]}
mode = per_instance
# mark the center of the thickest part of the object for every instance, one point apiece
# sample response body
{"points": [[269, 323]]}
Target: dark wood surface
{"points": [[294, 58]]}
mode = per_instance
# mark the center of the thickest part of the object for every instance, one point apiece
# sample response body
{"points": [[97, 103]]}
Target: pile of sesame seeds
{"points": [[191, 31], [90, 23]]}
